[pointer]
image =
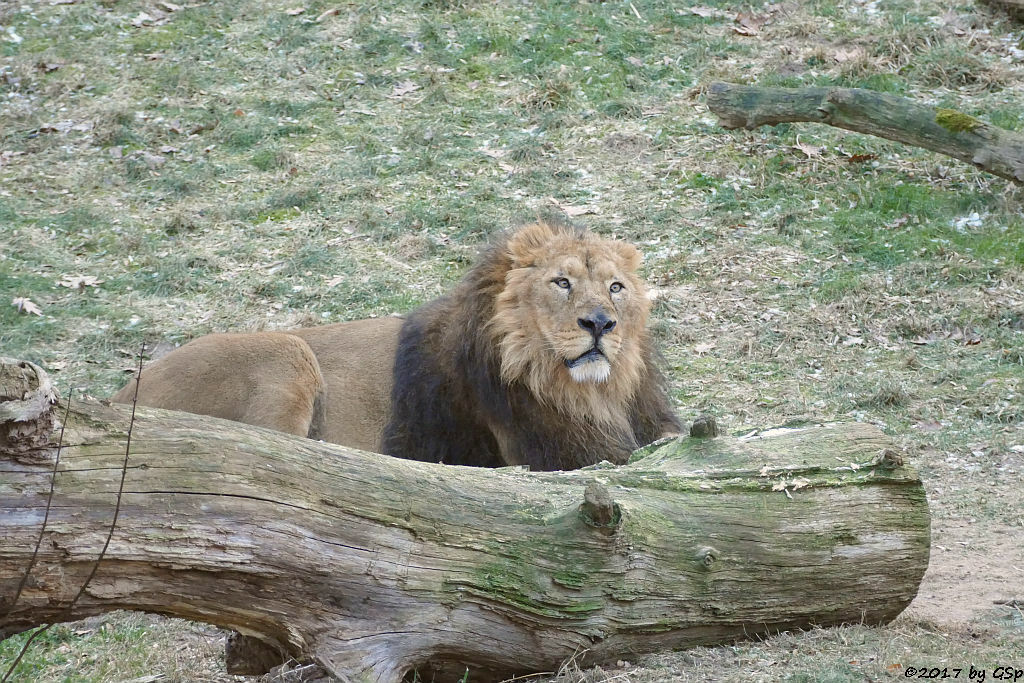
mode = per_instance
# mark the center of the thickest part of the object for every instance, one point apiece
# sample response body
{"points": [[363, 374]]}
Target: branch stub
{"points": [[704, 427], [598, 509]]}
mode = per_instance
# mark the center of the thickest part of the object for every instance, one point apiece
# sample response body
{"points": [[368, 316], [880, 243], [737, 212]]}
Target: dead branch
{"points": [[946, 131]]}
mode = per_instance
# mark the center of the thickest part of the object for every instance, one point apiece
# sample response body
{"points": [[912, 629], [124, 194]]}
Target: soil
{"points": [[974, 568]]}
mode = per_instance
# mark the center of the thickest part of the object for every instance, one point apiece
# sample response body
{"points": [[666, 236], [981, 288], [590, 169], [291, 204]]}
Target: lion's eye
{"points": [[616, 287], [562, 282]]}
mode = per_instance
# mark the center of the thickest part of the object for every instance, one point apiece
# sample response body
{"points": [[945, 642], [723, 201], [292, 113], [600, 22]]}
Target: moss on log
{"points": [[373, 565]]}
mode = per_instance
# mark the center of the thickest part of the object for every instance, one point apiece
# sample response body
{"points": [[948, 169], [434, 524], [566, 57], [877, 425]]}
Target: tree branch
{"points": [[946, 131]]}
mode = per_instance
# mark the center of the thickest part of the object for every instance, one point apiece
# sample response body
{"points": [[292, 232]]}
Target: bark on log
{"points": [[374, 565], [946, 131], [1014, 8]]}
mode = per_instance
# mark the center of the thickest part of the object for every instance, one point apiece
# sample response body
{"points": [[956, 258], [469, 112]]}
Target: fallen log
{"points": [[374, 565], [946, 131], [1015, 8]]}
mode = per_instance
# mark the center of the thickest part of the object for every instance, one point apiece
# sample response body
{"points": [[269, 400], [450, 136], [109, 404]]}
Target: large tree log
{"points": [[946, 131], [374, 565]]}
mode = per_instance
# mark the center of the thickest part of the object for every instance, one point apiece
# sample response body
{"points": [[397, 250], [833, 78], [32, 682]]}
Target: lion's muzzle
{"points": [[597, 324]]}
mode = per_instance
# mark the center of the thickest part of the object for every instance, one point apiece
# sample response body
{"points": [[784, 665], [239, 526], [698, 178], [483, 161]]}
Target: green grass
{"points": [[231, 166]]}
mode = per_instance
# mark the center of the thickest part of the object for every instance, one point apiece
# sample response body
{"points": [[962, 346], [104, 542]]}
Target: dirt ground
{"points": [[973, 569]]}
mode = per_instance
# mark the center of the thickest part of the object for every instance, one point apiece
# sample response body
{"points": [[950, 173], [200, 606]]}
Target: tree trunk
{"points": [[374, 565], [946, 131]]}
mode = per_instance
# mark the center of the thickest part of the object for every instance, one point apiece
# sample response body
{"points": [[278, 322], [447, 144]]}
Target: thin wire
{"points": [[39, 631], [110, 533], [49, 501], [35, 552], [120, 488]]}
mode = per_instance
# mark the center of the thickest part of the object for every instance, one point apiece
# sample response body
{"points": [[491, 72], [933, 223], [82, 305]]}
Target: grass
{"points": [[234, 166]]}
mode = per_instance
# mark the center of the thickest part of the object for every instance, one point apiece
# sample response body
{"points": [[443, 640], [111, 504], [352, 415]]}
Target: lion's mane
{"points": [[477, 383]]}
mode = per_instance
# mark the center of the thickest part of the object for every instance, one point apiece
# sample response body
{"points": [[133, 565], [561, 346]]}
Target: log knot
{"points": [[889, 459], [598, 509], [704, 427], [707, 557]]}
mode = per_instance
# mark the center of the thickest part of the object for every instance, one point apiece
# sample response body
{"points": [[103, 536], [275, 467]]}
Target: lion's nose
{"points": [[597, 323]]}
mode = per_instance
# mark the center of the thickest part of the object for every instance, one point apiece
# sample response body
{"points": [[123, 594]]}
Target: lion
{"points": [[540, 356]]}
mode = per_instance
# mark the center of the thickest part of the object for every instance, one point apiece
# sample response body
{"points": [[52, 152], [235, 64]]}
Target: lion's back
{"points": [[267, 379], [356, 360]]}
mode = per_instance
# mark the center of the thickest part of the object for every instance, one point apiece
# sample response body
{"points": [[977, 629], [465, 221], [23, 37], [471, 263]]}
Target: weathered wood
{"points": [[946, 131], [373, 565], [1014, 8]]}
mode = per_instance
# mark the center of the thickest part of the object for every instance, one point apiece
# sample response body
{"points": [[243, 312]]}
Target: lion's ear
{"points": [[528, 242], [629, 254]]}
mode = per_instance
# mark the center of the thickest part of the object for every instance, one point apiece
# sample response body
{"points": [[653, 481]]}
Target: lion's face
{"points": [[572, 312]]}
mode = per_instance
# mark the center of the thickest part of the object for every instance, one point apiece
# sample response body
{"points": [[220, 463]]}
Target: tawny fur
{"points": [[331, 382], [482, 375], [479, 377]]}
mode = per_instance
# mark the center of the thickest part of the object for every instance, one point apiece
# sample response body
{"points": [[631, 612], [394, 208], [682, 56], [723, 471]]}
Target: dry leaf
{"points": [[295, 11], [800, 483], [404, 88], [572, 210], [7, 155], [202, 127], [635, 61], [493, 153], [781, 486], [861, 158], [151, 160], [701, 349], [329, 13], [749, 24], [78, 281], [24, 305], [708, 12], [842, 56], [811, 151], [142, 19]]}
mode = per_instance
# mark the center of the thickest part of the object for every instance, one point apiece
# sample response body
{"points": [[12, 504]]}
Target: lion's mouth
{"points": [[590, 356], [590, 368]]}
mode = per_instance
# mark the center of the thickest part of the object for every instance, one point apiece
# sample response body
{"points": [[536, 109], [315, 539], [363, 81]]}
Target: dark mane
{"points": [[450, 404]]}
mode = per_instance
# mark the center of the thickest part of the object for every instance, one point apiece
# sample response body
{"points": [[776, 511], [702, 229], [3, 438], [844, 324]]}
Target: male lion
{"points": [[540, 357]]}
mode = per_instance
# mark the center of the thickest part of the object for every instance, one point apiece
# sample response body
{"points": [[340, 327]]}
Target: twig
{"points": [[120, 488], [39, 542]]}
